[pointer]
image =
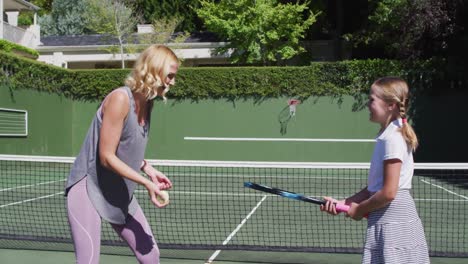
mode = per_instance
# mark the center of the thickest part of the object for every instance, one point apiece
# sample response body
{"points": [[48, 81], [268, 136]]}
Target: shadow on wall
{"points": [[440, 121]]}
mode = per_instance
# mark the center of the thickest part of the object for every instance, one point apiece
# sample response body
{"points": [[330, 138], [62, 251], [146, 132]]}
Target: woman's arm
{"points": [[156, 176], [115, 109]]}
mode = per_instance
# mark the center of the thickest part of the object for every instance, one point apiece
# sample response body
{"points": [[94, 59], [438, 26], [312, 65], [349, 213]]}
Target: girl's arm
{"points": [[382, 197], [115, 110], [358, 197]]}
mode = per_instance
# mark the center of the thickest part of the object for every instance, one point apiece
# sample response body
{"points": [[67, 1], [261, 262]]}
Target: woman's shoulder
{"points": [[119, 93], [117, 98], [122, 90]]}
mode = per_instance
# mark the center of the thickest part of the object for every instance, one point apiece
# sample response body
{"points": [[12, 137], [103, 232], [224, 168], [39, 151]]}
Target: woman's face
{"points": [[170, 78]]}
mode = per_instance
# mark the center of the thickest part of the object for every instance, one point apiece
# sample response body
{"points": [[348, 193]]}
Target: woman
{"points": [[107, 169]]}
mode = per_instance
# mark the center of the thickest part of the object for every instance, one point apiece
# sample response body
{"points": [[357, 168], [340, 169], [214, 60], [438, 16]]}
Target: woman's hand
{"points": [[153, 192], [157, 177], [163, 181]]}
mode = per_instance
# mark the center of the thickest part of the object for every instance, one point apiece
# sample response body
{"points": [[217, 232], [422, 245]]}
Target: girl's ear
{"points": [[391, 106]]}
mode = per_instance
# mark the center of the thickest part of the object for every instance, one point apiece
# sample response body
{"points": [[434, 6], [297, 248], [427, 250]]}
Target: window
{"points": [[13, 123]]}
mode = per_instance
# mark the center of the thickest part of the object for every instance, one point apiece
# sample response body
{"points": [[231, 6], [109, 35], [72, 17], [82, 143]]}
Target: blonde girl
{"points": [[394, 230]]}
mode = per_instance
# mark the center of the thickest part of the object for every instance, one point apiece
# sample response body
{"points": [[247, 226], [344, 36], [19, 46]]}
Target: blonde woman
{"points": [[107, 170], [394, 230]]}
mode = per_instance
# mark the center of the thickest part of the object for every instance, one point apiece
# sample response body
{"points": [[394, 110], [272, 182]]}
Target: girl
{"points": [[107, 169], [394, 231]]}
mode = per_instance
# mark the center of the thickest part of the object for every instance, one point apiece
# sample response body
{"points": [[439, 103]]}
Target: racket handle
{"points": [[341, 208]]}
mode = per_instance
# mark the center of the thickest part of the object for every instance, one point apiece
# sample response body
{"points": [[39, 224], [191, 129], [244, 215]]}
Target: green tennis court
{"points": [[212, 217], [57, 257]]}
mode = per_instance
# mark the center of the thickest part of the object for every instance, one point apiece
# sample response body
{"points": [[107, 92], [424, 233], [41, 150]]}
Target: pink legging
{"points": [[85, 224]]}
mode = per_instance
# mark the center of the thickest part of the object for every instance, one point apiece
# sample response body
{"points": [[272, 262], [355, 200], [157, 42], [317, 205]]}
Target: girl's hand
{"points": [[354, 212], [330, 207]]}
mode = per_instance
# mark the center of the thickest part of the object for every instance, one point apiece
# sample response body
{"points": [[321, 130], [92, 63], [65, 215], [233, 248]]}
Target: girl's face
{"points": [[380, 111]]}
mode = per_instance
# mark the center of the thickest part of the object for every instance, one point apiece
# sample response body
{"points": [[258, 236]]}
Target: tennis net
{"points": [[210, 208]]}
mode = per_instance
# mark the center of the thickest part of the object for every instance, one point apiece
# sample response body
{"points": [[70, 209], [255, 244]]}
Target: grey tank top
{"points": [[110, 193]]}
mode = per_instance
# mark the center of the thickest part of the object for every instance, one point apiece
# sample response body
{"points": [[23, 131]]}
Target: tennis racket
{"points": [[260, 187]]}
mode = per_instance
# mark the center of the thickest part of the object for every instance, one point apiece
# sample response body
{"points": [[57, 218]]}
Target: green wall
{"points": [[323, 118], [57, 127], [440, 121], [83, 113], [49, 117]]}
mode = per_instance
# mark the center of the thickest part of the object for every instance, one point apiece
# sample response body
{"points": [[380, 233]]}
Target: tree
{"points": [[114, 19], [45, 5], [409, 29], [66, 18], [26, 18], [261, 31], [163, 32], [181, 10]]}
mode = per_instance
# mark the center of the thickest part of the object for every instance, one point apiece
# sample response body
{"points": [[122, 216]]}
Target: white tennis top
{"points": [[390, 144]]}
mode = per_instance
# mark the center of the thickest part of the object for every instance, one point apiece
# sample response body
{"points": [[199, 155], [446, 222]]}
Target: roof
{"points": [[93, 40], [78, 40], [17, 5]]}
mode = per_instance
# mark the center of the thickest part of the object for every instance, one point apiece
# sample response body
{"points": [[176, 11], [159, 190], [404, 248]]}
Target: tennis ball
{"points": [[163, 198]]}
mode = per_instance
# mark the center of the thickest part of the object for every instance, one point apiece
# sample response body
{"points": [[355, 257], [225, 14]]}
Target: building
{"points": [[92, 51], [9, 29]]}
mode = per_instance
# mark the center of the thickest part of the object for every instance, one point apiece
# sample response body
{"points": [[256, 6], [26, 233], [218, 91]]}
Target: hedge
{"points": [[10, 47], [335, 79]]}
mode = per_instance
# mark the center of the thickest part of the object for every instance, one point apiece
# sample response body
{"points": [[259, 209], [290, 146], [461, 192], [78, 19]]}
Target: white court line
{"points": [[266, 176], [440, 200], [216, 253], [447, 190], [279, 139], [238, 194], [30, 200], [339, 196], [30, 185], [209, 193]]}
